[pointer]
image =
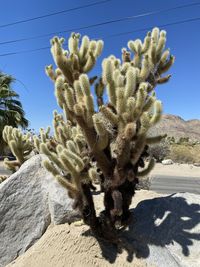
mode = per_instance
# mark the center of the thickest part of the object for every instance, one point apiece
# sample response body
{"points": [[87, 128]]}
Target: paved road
{"points": [[166, 184], [171, 184], [3, 171]]}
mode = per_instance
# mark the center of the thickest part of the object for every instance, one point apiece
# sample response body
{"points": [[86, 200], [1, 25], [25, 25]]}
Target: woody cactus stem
{"points": [[107, 142]]}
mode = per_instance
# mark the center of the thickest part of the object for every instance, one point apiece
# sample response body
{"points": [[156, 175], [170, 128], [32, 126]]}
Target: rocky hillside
{"points": [[175, 126]]}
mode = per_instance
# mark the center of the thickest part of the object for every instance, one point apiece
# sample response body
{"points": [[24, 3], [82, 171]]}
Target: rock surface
{"points": [[165, 232], [30, 200]]}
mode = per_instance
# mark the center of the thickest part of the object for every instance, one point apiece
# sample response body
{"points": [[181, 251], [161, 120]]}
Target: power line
{"points": [[149, 28], [102, 23], [110, 36], [25, 51], [54, 14]]}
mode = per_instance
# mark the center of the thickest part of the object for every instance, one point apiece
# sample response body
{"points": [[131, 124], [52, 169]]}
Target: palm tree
{"points": [[11, 111]]}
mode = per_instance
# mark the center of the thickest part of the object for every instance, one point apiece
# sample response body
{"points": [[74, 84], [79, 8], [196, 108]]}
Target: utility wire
{"points": [[54, 14], [110, 36], [149, 28], [102, 23], [25, 51]]}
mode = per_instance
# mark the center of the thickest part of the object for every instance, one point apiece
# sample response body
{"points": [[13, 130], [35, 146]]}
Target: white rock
{"points": [[197, 164], [30, 200], [167, 162]]}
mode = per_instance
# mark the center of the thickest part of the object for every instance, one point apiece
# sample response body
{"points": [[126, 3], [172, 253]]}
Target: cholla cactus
{"points": [[20, 145], [107, 140]]}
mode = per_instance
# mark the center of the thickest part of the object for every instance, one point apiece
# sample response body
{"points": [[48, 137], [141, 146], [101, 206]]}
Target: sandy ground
{"points": [[73, 246], [176, 170]]}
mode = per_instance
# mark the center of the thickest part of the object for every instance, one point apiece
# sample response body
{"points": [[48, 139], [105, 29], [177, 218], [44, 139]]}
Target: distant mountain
{"points": [[175, 126]]}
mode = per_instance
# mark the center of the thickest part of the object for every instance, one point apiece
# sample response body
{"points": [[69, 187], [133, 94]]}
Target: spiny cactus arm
{"points": [[138, 149], [101, 131], [11, 165], [52, 156], [91, 60], [141, 96], [163, 79], [131, 82], [51, 167], [149, 103], [167, 65], [110, 115], [63, 162], [146, 69], [50, 72], [118, 202], [94, 175], [76, 158], [75, 61], [155, 139], [85, 120], [88, 98], [94, 51], [152, 58], [146, 43], [60, 57], [72, 146], [107, 76], [44, 137], [68, 185], [146, 171], [91, 139], [84, 48], [36, 142], [157, 113], [7, 133], [123, 147]]}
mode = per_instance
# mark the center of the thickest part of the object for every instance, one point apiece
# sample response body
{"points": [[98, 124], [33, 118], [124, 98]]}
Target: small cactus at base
{"points": [[20, 145], [107, 141]]}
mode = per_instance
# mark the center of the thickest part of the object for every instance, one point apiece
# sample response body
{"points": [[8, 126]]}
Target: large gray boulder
{"points": [[30, 200], [166, 231]]}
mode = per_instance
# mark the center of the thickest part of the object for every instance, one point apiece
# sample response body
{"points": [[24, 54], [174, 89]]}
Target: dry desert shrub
{"points": [[160, 150], [183, 153]]}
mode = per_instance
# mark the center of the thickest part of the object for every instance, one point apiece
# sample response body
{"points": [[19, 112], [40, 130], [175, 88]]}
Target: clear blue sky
{"points": [[181, 96]]}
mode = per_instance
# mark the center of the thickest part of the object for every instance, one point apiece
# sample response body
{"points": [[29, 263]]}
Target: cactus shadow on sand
{"points": [[160, 222]]}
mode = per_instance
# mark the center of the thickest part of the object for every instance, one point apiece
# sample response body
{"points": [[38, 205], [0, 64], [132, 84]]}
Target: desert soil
{"points": [[72, 246]]}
